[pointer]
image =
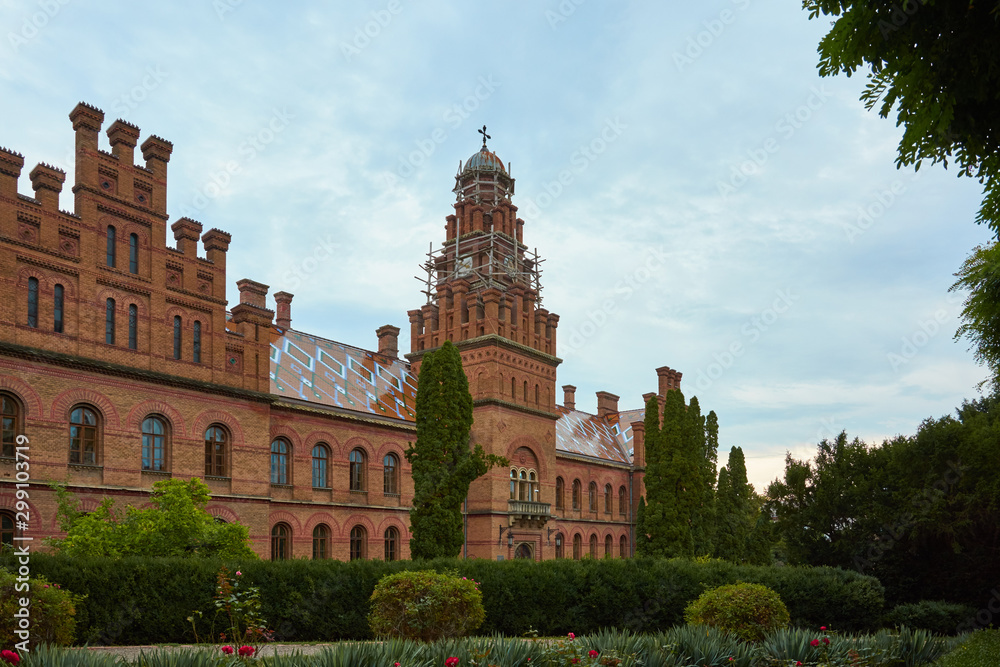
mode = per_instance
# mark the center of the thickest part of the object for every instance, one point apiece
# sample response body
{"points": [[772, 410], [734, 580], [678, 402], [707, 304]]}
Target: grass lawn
{"points": [[982, 649]]}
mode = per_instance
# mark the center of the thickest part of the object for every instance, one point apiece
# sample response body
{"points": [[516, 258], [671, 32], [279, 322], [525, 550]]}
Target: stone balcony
{"points": [[528, 514]]}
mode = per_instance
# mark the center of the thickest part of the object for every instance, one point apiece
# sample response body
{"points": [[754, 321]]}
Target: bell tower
{"points": [[484, 293]]}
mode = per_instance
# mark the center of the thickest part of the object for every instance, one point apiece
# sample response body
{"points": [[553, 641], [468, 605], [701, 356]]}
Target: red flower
{"points": [[10, 657], [395, 664], [593, 653], [451, 662], [826, 640], [571, 635], [822, 627], [798, 663], [228, 650], [246, 650], [575, 660], [814, 642]]}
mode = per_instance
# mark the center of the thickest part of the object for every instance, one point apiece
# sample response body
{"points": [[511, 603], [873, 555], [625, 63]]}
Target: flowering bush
{"points": [[425, 606], [53, 611], [10, 657], [749, 611]]}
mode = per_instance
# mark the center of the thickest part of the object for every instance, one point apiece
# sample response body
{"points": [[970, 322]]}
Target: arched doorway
{"points": [[523, 551]]}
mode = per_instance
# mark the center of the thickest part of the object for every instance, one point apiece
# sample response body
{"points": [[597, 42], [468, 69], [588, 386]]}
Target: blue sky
{"points": [[702, 198]]}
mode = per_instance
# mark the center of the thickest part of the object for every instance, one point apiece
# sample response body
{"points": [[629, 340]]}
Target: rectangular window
{"points": [[33, 302], [197, 342], [177, 337], [133, 253], [112, 254], [133, 326], [57, 323], [109, 322]]}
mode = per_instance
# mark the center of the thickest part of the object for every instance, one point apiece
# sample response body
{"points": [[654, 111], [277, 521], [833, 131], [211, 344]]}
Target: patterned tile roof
{"points": [[322, 371], [607, 438]]}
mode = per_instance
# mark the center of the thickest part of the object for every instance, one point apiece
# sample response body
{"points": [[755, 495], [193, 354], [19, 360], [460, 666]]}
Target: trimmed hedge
{"points": [[148, 601]]}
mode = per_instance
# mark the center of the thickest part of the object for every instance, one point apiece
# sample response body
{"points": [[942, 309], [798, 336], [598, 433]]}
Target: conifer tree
{"points": [[680, 480], [443, 465], [641, 535], [704, 445], [653, 481], [735, 510]]}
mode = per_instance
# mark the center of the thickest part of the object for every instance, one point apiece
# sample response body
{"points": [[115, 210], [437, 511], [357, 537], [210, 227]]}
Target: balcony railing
{"points": [[528, 512]]}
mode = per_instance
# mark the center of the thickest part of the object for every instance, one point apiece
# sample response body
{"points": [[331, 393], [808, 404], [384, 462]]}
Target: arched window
{"points": [[593, 546], [109, 322], [609, 547], [560, 493], [216, 446], [177, 337], [279, 461], [391, 544], [523, 491], [321, 459], [390, 475], [577, 492], [57, 308], [10, 410], [622, 501], [513, 484], [133, 253], [83, 428], [112, 246], [577, 546], [281, 542], [33, 302], [532, 486], [196, 342], [154, 444], [559, 546], [7, 529], [321, 542], [357, 460], [592, 496], [133, 327], [359, 543], [607, 499], [623, 547], [524, 394]]}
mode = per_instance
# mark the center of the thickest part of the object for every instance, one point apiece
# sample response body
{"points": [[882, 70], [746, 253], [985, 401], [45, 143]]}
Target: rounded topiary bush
{"points": [[52, 612], [749, 611], [425, 606]]}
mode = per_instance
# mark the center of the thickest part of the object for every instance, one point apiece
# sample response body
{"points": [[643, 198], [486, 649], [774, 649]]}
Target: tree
{"points": [[176, 525], [443, 466], [937, 63]]}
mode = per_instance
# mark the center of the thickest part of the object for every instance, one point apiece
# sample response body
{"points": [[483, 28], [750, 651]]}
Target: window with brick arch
{"points": [[623, 547], [216, 451], [281, 542], [10, 410], [593, 546], [609, 547], [196, 342], [83, 436], [577, 492], [577, 546], [58, 294], [133, 253], [320, 467], [109, 322], [592, 496], [112, 247], [280, 449], [359, 543], [390, 475], [357, 470], [607, 499], [154, 444], [177, 337], [33, 303], [7, 531], [133, 326], [391, 544], [321, 542], [560, 493], [560, 547], [622, 501]]}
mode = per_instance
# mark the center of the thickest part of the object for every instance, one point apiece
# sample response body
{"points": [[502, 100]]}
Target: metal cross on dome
{"points": [[485, 136]]}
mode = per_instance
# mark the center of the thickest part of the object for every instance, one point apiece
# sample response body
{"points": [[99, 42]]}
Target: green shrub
{"points": [[749, 611], [426, 606], [51, 614], [942, 618]]}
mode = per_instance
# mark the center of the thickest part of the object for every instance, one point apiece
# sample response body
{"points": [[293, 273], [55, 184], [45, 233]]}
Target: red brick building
{"points": [[122, 365]]}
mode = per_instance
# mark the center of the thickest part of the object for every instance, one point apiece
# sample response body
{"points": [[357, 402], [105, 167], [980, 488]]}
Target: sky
{"points": [[702, 198]]}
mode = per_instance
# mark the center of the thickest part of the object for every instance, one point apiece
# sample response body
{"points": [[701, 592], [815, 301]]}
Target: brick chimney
{"points": [[123, 136], [388, 340], [186, 233], [283, 310], [569, 397], [11, 164], [47, 182], [252, 293], [607, 404], [668, 379], [638, 444]]}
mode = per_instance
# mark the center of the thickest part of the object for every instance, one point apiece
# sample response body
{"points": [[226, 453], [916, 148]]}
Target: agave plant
{"points": [[45, 655]]}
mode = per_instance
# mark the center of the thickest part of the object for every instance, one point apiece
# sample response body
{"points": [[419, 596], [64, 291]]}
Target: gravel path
{"points": [[132, 652]]}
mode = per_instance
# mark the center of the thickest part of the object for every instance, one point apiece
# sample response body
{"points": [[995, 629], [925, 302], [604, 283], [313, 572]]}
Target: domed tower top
{"points": [[483, 178]]}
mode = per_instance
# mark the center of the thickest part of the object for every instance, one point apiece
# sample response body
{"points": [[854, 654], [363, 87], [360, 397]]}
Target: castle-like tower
{"points": [[484, 295]]}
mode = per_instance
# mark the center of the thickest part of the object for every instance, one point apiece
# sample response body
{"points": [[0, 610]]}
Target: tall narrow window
{"points": [[112, 246], [609, 547], [357, 460], [133, 253], [57, 308], [390, 475], [83, 436], [560, 493], [215, 451], [513, 386], [33, 302], [513, 484], [109, 322], [391, 544], [281, 536], [607, 499], [6, 529], [11, 412], [577, 492], [321, 542], [593, 546], [359, 546], [196, 341], [154, 442], [536, 394], [321, 458], [592, 493], [524, 394], [177, 337], [279, 462], [622, 501], [623, 547], [577, 546], [133, 326]]}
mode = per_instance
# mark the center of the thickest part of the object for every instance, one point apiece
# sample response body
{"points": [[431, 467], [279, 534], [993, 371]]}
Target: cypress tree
{"points": [[735, 510], [443, 465], [680, 481], [653, 481]]}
